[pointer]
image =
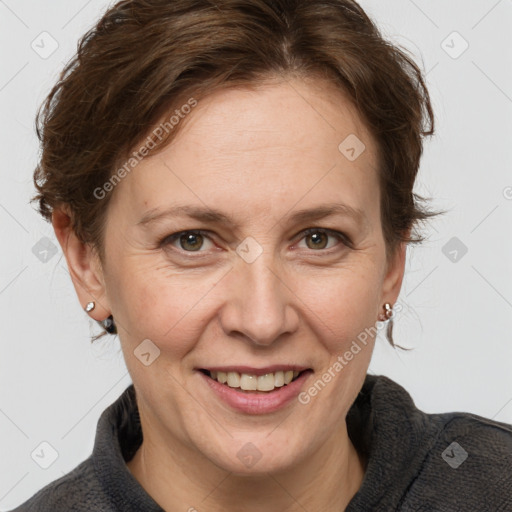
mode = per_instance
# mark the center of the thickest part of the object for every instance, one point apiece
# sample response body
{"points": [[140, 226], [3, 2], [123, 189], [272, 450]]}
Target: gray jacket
{"points": [[417, 462]]}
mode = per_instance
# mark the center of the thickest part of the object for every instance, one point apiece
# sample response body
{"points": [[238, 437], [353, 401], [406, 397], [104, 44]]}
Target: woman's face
{"points": [[251, 293]]}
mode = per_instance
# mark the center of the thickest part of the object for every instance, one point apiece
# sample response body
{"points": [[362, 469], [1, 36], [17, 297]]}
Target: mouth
{"points": [[255, 380]]}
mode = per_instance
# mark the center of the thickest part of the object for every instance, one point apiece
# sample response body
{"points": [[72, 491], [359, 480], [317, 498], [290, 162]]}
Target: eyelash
{"points": [[344, 239]]}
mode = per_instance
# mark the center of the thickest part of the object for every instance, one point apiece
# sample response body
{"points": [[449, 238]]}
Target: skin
{"points": [[257, 155]]}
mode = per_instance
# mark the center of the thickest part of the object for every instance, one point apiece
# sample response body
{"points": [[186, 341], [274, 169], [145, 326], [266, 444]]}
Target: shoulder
{"points": [[425, 462], [468, 465], [479, 432], [77, 491]]}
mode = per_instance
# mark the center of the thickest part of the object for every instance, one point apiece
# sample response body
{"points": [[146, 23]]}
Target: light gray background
{"points": [[457, 315]]}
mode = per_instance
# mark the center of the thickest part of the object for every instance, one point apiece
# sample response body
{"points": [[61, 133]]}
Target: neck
{"points": [[179, 479]]}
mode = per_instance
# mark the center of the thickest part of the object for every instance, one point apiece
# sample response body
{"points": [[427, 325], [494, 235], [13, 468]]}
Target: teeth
{"points": [[278, 379], [266, 382], [247, 382], [233, 379]]}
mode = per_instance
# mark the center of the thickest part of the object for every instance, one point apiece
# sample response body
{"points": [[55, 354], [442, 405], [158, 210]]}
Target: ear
{"points": [[83, 263], [394, 274]]}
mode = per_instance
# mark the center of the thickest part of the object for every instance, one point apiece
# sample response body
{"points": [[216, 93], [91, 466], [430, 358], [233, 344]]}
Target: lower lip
{"points": [[257, 402]]}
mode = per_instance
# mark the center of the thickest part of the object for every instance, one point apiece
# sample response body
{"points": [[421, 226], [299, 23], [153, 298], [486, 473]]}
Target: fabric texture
{"points": [[417, 462]]}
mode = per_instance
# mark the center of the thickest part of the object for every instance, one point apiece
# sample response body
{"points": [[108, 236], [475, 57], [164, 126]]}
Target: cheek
{"points": [[167, 308], [341, 303]]}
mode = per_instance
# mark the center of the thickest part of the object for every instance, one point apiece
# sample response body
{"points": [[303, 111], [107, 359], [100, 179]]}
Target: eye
{"points": [[318, 239], [189, 241]]}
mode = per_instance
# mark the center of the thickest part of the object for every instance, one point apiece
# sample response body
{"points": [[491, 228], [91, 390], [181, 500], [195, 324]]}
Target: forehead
{"points": [[308, 117], [284, 142]]}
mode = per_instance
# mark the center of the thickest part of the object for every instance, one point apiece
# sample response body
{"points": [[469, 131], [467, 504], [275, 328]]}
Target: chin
{"points": [[251, 454]]}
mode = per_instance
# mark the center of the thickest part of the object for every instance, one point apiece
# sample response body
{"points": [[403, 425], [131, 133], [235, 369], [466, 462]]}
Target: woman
{"points": [[231, 184]]}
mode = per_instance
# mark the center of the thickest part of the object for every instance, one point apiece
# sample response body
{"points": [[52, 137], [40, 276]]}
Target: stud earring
{"points": [[109, 325], [388, 312], [90, 306]]}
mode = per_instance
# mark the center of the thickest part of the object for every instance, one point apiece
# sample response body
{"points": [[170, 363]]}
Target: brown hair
{"points": [[145, 57]]}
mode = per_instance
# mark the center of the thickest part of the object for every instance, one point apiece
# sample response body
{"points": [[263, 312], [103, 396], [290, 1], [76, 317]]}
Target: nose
{"points": [[259, 305]]}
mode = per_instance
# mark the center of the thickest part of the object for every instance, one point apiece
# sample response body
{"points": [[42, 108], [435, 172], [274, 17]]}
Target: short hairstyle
{"points": [[144, 58]]}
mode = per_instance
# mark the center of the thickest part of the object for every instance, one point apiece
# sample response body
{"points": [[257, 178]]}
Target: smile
{"points": [[255, 390], [251, 382]]}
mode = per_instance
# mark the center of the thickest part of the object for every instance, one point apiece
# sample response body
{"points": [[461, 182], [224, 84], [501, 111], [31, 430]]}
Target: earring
{"points": [[388, 311], [90, 306], [109, 325]]}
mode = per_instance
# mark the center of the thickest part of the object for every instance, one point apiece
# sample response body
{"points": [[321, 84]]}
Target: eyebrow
{"points": [[208, 215]]}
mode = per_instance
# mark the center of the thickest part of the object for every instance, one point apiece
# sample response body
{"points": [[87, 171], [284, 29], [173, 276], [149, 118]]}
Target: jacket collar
{"points": [[383, 423]]}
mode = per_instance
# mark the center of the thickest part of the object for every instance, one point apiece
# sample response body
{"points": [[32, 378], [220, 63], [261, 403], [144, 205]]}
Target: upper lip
{"points": [[256, 371]]}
